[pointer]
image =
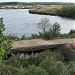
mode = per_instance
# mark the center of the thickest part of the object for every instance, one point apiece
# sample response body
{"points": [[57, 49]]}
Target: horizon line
{"points": [[36, 2]]}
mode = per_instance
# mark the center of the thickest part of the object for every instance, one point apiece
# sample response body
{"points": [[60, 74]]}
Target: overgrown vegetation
{"points": [[43, 63], [34, 3], [50, 31], [67, 11], [5, 43], [60, 10]]}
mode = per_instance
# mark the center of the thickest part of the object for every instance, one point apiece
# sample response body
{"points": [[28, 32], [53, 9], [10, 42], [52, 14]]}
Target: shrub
{"points": [[72, 31], [14, 61], [50, 55], [47, 35], [55, 30], [34, 36], [33, 70], [67, 11], [36, 60], [44, 24], [5, 43], [8, 70], [23, 37], [71, 68], [54, 67], [12, 37]]}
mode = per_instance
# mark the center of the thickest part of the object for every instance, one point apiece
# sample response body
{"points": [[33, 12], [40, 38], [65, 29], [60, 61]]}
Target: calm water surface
{"points": [[19, 22]]}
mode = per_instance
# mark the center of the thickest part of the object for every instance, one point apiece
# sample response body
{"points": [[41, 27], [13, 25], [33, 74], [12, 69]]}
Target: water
{"points": [[19, 22]]}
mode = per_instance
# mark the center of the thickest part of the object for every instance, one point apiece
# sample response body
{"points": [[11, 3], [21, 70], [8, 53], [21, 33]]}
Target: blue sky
{"points": [[38, 1]]}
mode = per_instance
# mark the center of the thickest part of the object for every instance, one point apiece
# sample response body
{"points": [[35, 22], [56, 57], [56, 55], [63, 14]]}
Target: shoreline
{"points": [[46, 13], [55, 10]]}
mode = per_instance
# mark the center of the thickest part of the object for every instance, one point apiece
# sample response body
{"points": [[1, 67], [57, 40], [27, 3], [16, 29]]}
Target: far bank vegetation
{"points": [[60, 10]]}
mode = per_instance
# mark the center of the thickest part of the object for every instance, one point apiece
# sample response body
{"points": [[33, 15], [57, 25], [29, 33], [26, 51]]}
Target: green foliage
{"points": [[38, 58], [14, 61], [71, 31], [72, 35], [12, 37], [23, 37], [50, 55], [34, 36], [54, 67], [67, 11], [71, 68], [47, 35], [44, 63], [34, 3], [8, 70], [55, 30], [49, 31], [33, 70], [5, 44], [44, 24]]}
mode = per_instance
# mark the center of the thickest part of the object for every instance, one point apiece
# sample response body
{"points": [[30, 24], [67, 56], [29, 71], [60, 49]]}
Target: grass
{"points": [[72, 46], [59, 10], [47, 10]]}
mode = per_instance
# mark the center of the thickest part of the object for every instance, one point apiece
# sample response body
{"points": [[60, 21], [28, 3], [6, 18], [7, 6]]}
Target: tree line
{"points": [[67, 11], [34, 3]]}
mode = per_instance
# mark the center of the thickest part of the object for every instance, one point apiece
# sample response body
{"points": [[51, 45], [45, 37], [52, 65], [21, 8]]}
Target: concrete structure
{"points": [[38, 45]]}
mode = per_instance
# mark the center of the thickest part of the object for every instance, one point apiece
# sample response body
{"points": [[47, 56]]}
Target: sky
{"points": [[73, 1]]}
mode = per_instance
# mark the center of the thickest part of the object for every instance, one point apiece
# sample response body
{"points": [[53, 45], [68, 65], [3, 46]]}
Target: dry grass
{"points": [[72, 46], [49, 9]]}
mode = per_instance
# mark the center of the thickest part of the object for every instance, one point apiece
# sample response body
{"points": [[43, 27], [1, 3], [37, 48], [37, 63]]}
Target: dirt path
{"points": [[39, 42]]}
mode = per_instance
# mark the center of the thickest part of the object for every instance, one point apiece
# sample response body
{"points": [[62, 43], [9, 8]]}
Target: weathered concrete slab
{"points": [[29, 43], [38, 44]]}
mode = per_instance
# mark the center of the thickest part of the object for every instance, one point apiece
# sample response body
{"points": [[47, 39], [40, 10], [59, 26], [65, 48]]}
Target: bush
{"points": [[71, 31], [51, 55], [54, 67], [33, 70], [47, 35], [44, 24], [36, 60], [8, 70], [14, 61], [12, 37], [44, 63], [34, 36], [67, 11], [5, 43], [23, 37], [71, 68], [55, 30]]}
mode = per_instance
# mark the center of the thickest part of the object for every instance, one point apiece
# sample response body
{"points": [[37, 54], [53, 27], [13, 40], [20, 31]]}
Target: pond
{"points": [[19, 22]]}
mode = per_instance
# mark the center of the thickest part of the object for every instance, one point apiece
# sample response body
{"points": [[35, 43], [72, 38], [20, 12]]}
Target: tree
{"points": [[5, 43], [44, 24], [55, 30]]}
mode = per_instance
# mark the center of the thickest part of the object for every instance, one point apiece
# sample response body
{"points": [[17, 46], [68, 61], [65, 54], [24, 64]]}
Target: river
{"points": [[19, 22]]}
